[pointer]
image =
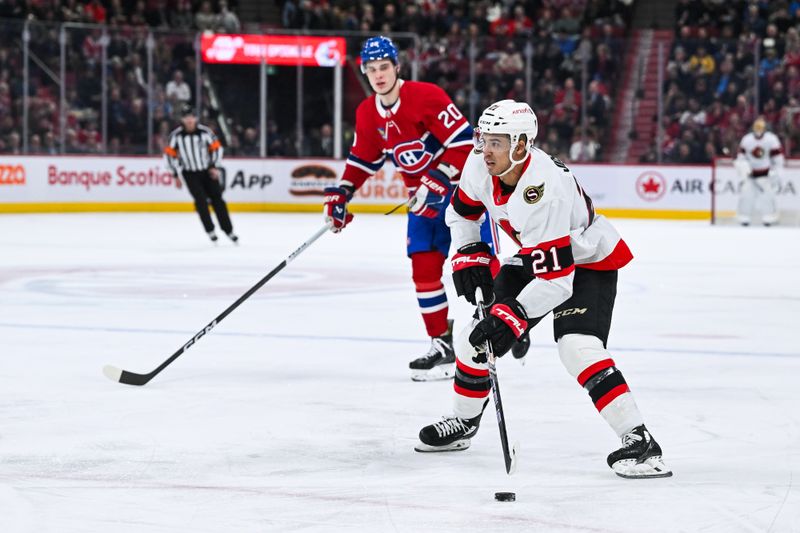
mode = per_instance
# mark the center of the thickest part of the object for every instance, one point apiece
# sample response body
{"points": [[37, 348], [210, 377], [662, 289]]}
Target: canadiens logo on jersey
{"points": [[412, 156], [533, 193]]}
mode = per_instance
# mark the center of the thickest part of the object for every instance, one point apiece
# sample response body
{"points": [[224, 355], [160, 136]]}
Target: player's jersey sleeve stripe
{"points": [[550, 259], [618, 258], [366, 166], [432, 144], [775, 151], [464, 133], [466, 206]]}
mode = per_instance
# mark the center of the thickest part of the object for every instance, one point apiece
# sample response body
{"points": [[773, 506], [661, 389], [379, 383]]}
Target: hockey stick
{"points": [[410, 204], [395, 208], [131, 378], [509, 452]]}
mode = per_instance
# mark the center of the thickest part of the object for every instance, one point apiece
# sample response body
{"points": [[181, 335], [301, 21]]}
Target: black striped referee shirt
{"points": [[194, 152]]}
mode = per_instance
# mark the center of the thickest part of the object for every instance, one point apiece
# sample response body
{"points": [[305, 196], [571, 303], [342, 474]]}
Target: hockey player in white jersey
{"points": [[759, 164], [567, 263]]}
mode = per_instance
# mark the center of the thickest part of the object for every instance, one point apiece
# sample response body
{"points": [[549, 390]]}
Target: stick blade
{"points": [[113, 373], [511, 467], [123, 376]]}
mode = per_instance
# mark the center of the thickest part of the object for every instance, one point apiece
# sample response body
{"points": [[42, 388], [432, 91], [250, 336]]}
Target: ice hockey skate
{"points": [[448, 435], [213, 236], [440, 361], [639, 457], [233, 237]]}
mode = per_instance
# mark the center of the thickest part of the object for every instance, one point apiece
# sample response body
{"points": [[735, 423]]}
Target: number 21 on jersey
{"points": [[549, 260]]}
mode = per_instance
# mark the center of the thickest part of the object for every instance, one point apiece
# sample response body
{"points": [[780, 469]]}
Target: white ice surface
{"points": [[297, 414]]}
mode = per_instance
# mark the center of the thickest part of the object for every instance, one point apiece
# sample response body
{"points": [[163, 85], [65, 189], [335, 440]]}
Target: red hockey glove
{"points": [[506, 323], [335, 207], [471, 270], [428, 200]]}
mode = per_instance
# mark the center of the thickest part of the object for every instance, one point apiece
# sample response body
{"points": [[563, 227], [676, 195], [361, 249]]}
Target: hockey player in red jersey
{"points": [[567, 263], [420, 129]]}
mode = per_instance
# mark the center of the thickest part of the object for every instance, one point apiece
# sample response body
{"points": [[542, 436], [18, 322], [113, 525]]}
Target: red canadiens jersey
{"points": [[548, 215], [762, 153], [422, 130]]}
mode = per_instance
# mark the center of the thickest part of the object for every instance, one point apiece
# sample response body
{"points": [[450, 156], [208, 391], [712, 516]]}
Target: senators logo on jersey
{"points": [[533, 193], [758, 152]]}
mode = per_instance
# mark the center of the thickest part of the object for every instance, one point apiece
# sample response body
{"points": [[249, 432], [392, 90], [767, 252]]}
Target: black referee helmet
{"points": [[187, 111]]}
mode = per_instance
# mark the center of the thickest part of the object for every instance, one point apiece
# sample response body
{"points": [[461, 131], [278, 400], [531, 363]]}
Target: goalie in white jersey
{"points": [[567, 263], [759, 164]]}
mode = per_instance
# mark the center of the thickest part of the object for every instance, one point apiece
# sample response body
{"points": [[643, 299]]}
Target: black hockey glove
{"points": [[505, 323], [471, 270]]}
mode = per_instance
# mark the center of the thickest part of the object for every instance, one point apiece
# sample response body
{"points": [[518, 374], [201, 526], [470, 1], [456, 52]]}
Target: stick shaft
{"points": [[131, 378], [498, 401]]}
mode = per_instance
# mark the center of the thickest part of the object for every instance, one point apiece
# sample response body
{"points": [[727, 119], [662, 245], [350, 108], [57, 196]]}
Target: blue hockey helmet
{"points": [[376, 48]]}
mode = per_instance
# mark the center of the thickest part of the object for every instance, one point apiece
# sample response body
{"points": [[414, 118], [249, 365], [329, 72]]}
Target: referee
{"points": [[195, 150]]}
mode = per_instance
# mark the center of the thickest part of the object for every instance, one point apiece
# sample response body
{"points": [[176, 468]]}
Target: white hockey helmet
{"points": [[512, 118]]}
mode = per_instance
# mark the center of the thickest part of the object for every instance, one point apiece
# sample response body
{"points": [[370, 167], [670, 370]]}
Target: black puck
{"points": [[505, 496]]}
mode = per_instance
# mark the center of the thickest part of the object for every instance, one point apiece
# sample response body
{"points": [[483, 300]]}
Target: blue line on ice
{"points": [[367, 339]]}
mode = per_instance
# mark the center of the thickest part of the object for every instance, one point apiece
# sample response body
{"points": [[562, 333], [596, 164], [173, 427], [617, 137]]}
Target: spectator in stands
{"points": [[753, 21], [205, 19], [177, 90], [277, 144], [584, 148], [249, 144], [323, 144], [702, 63], [157, 14], [138, 17], [520, 23], [569, 98], [694, 115], [14, 144], [72, 144], [35, 144], [49, 144], [770, 62], [228, 21], [181, 18], [597, 106]]}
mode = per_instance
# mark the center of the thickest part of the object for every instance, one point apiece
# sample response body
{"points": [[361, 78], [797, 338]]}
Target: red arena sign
{"points": [[275, 49]]}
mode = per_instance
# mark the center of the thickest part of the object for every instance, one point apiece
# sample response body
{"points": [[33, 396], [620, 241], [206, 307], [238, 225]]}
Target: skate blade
{"points": [[652, 467], [455, 446], [437, 373]]}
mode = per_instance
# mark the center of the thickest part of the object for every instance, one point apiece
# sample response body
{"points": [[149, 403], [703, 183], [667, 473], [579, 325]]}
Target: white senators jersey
{"points": [[762, 153], [548, 215]]}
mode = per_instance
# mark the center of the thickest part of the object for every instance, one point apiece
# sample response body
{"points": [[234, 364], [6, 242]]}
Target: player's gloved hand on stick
{"points": [[471, 271], [428, 200], [335, 207], [505, 323]]}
